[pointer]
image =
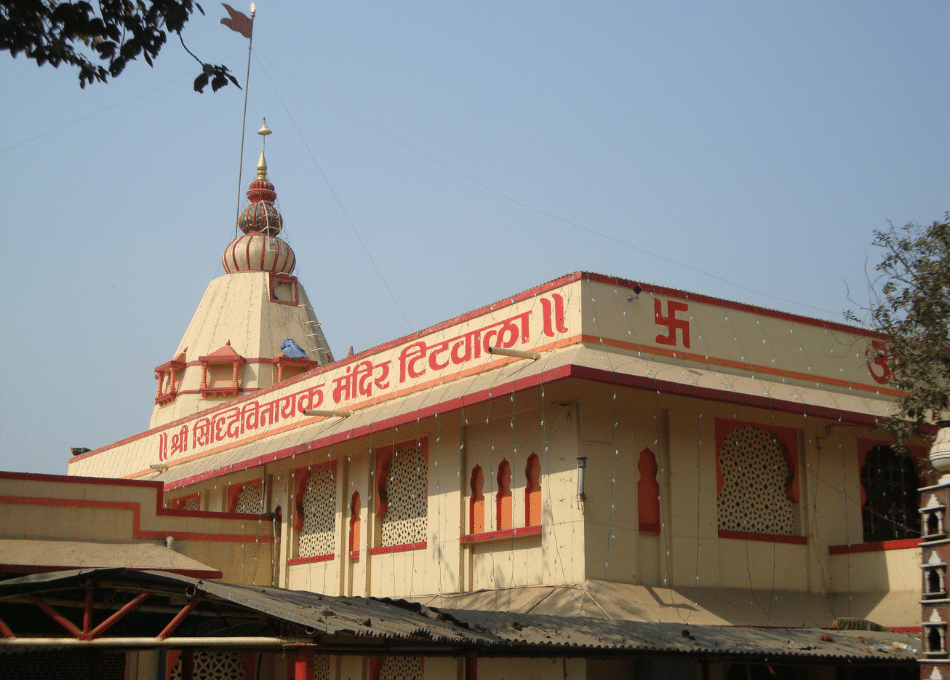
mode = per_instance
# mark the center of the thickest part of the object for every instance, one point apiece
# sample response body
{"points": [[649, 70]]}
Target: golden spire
{"points": [[262, 164]]}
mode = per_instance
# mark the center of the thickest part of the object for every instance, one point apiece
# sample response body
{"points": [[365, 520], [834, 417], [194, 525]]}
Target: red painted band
{"points": [[767, 538], [877, 546], [310, 560], [504, 533], [384, 550]]}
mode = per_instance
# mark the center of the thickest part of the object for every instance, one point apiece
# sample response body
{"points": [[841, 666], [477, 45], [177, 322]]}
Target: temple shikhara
{"points": [[594, 478]]}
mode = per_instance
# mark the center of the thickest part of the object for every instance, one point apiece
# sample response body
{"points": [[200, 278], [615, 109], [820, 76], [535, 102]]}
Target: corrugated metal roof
{"points": [[689, 605], [538, 630], [370, 625]]}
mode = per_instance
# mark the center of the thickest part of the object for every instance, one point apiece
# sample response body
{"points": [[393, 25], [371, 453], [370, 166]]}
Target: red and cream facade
{"points": [[592, 446], [724, 447]]}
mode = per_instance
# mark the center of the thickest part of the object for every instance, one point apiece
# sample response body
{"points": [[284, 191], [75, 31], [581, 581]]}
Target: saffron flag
{"points": [[238, 22]]}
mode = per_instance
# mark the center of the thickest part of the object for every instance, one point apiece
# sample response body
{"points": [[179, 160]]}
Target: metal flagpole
{"points": [[247, 82]]}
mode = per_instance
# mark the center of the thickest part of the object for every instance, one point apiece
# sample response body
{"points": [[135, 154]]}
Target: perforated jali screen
{"points": [[754, 474], [406, 517], [213, 665], [401, 668], [250, 500], [319, 514]]}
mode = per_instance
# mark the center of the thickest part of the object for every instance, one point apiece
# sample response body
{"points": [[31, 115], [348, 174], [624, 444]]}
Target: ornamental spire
{"points": [[261, 215], [260, 248], [262, 164]]}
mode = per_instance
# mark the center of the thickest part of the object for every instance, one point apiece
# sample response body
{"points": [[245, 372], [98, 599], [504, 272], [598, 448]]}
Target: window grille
{"points": [[890, 486]]}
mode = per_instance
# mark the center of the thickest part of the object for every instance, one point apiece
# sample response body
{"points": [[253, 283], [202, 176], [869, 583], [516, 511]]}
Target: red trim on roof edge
{"points": [[76, 479], [729, 304], [519, 384], [531, 292]]}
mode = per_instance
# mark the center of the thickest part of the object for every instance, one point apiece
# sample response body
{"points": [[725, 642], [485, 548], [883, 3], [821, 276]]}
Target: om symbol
{"points": [[877, 356]]}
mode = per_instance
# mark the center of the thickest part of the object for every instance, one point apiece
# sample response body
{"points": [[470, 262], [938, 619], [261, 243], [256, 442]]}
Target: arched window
{"points": [[889, 495], [757, 480], [476, 503], [190, 502], [532, 492], [355, 509], [247, 497], [316, 511], [401, 495], [503, 497]]}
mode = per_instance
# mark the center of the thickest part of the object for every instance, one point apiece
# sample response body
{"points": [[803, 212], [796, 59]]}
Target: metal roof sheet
{"points": [[533, 630], [386, 626]]}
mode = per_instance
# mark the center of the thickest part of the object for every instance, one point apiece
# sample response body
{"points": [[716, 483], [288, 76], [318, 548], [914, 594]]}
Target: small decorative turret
{"points": [[260, 249]]}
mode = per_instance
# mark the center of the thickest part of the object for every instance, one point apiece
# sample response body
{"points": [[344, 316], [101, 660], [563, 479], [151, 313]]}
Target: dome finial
{"points": [[262, 164]]}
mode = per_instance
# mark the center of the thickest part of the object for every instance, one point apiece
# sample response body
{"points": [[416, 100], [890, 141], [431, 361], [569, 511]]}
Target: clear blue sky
{"points": [[756, 145]]}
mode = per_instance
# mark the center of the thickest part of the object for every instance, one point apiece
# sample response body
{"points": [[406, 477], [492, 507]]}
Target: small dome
{"points": [[261, 216], [261, 190], [256, 252]]}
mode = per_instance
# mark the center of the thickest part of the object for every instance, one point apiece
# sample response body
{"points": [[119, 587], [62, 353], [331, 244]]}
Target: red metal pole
{"points": [[179, 617], [56, 616], [303, 665], [471, 666], [109, 622], [87, 612]]}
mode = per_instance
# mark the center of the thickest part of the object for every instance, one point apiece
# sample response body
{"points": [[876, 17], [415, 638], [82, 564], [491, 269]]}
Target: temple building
{"points": [[595, 477]]}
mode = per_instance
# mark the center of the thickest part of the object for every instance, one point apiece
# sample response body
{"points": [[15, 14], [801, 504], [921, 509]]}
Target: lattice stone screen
{"points": [[319, 514], [401, 668], [210, 665], [321, 667], [190, 504], [754, 474], [250, 500], [405, 520]]}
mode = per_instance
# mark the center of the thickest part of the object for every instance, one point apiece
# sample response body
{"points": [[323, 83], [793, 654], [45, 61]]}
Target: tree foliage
{"points": [[911, 306], [100, 44]]}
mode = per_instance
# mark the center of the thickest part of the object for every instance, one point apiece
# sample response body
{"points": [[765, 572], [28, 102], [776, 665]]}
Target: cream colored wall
{"points": [[455, 442], [322, 577], [72, 509], [236, 308], [513, 432], [531, 669], [435, 568], [878, 571], [682, 434], [598, 538]]}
